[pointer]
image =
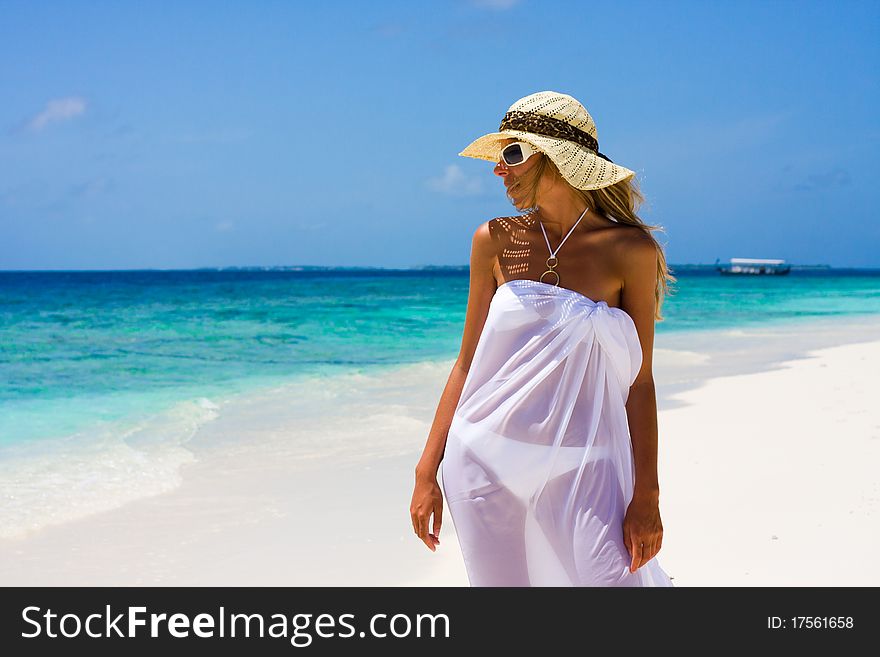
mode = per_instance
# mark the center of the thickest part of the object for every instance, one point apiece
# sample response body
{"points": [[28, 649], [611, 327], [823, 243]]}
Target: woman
{"points": [[547, 427]]}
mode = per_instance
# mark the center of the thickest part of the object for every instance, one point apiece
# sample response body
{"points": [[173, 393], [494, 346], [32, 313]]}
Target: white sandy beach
{"points": [[769, 446]]}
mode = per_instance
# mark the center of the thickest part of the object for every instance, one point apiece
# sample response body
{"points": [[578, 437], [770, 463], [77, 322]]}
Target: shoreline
{"points": [[269, 502]]}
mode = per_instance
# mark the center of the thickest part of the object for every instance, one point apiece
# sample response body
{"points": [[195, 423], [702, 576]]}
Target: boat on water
{"points": [[753, 266]]}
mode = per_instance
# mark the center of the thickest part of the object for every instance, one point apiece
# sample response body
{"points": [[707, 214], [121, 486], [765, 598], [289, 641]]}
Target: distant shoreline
{"points": [[414, 268]]}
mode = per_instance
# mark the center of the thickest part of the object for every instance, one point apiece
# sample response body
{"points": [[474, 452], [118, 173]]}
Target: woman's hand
{"points": [[427, 499], [642, 531]]}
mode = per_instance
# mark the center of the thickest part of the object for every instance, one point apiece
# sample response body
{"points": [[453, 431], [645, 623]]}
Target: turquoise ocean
{"points": [[105, 375]]}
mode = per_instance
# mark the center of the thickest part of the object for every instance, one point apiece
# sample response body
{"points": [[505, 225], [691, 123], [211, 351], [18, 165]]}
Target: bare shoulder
{"points": [[636, 253], [481, 290], [491, 237], [483, 245], [512, 225]]}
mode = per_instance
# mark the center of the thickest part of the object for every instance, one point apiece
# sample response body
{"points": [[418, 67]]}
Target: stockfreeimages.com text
{"points": [[299, 628]]}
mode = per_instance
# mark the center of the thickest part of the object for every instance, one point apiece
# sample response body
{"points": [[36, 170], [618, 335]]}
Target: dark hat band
{"points": [[549, 127]]}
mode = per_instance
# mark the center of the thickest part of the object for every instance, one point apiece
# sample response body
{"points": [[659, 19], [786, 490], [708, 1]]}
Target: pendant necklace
{"points": [[551, 267]]}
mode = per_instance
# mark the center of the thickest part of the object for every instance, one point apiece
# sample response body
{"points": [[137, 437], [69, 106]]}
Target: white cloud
{"points": [[58, 109], [455, 183], [224, 226]]}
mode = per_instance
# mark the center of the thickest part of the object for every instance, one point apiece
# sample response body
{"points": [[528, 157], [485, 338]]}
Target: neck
{"points": [[563, 214]]}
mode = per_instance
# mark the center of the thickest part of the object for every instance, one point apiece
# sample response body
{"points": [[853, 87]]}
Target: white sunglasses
{"points": [[517, 153]]}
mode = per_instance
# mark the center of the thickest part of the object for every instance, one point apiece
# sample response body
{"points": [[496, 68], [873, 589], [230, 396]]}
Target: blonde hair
{"points": [[618, 202]]}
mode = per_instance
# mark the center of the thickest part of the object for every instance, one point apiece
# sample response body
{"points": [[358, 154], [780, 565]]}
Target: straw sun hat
{"points": [[560, 127]]}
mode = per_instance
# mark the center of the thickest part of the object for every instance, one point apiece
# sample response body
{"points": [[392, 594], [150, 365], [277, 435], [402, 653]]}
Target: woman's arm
{"points": [[481, 290], [427, 499], [642, 526], [641, 408], [639, 301]]}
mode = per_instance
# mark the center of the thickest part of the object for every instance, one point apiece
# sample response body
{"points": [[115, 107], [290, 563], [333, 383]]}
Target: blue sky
{"points": [[199, 134]]}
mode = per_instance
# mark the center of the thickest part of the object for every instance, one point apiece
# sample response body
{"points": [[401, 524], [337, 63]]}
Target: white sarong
{"points": [[538, 467]]}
